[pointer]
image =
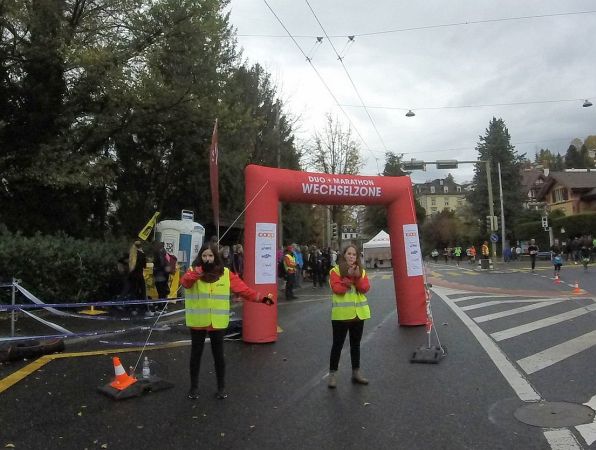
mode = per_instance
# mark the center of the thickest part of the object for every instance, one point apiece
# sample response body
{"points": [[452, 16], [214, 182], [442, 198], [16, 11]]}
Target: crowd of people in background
{"points": [[313, 263], [576, 250]]}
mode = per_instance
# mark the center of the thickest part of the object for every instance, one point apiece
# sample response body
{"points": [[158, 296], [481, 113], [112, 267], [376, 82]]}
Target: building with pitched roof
{"points": [[531, 184], [440, 194], [572, 191]]}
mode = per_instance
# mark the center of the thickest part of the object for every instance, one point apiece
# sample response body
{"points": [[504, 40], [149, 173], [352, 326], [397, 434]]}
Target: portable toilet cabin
{"points": [[182, 238]]}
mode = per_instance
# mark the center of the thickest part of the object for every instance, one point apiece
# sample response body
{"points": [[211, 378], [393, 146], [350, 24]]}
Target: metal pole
{"points": [[502, 212], [280, 231], [328, 220], [491, 209], [13, 312]]}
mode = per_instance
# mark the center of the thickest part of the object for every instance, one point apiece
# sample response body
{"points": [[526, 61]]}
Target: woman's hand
{"points": [[268, 300], [354, 271]]}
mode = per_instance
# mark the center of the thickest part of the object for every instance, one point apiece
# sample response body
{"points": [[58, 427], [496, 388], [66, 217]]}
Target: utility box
{"points": [[485, 263]]}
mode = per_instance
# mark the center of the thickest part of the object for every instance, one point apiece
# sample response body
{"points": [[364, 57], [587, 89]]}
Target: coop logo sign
{"points": [[263, 234], [341, 187]]}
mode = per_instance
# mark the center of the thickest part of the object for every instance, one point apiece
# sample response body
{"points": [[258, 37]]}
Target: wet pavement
{"points": [[278, 396]]}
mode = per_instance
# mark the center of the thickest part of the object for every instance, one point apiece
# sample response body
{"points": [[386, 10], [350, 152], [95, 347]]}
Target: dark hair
{"points": [[343, 264], [216, 257]]}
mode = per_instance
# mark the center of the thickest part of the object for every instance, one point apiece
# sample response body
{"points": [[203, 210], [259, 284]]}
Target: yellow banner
{"points": [[146, 231]]}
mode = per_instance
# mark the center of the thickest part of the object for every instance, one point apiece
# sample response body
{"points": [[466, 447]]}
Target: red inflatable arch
{"points": [[266, 186]]}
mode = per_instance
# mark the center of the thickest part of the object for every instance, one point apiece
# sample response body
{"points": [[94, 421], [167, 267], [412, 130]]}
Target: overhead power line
{"points": [[568, 139], [430, 27], [340, 59], [484, 105], [324, 83]]}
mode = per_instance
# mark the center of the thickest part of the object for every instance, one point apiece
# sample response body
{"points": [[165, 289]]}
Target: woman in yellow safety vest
{"points": [[207, 301], [349, 310]]}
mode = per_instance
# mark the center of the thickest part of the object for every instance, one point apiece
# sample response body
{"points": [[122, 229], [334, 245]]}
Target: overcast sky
{"points": [[450, 70]]}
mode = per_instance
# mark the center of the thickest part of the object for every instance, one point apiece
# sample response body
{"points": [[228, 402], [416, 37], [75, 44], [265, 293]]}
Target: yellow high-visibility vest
{"points": [[209, 303], [291, 267], [349, 305]]}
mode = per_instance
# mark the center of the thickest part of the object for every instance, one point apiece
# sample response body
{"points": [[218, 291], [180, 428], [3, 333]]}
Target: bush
{"points": [[61, 269], [575, 225]]}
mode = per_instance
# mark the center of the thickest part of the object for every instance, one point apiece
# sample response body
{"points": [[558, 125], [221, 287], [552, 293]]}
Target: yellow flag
{"points": [[146, 231]]}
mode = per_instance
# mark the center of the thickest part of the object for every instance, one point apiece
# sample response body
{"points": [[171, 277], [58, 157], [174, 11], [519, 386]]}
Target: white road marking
{"points": [[512, 312], [473, 297], [557, 438], [532, 326], [505, 302], [516, 380], [588, 430], [553, 355], [561, 439]]}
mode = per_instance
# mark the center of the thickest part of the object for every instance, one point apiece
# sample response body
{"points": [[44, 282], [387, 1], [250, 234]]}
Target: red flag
{"points": [[214, 177]]}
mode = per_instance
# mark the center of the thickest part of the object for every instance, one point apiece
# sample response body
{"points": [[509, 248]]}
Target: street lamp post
{"points": [[491, 207], [502, 213]]}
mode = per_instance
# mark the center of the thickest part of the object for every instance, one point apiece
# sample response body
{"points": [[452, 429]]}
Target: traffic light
{"points": [[414, 164], [333, 231], [492, 223], [446, 164], [545, 222]]}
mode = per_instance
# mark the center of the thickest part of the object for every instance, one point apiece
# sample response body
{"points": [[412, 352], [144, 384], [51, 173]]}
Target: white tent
{"points": [[377, 251]]}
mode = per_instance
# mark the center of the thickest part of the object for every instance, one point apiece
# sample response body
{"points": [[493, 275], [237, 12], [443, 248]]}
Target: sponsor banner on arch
{"points": [[265, 260], [330, 185], [413, 253]]}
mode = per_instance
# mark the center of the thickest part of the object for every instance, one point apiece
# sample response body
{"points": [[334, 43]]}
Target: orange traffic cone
{"points": [[122, 380], [576, 289], [557, 279]]}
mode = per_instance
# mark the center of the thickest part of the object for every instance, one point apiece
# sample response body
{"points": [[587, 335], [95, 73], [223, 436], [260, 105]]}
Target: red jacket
{"points": [[341, 285], [236, 285]]}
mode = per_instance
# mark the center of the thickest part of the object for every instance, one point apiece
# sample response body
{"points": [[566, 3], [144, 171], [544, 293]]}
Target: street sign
{"points": [[494, 237]]}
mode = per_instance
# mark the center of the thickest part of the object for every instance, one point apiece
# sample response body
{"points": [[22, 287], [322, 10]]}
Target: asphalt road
{"points": [[277, 392]]}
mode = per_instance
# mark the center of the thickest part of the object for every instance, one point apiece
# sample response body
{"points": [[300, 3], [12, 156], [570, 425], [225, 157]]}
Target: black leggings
{"points": [[196, 351], [340, 329]]}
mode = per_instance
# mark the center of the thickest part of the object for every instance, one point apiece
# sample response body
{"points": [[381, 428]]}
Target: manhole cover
{"points": [[554, 414]]}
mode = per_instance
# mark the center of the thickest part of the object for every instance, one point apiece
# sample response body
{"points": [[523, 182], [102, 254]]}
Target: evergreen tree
{"points": [[559, 164], [573, 158], [495, 147], [107, 110]]}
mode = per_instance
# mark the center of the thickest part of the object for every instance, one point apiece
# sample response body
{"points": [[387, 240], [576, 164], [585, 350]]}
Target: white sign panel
{"points": [[265, 264], [413, 253]]}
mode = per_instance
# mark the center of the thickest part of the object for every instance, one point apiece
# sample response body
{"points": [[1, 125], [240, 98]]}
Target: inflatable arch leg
{"points": [[266, 187]]}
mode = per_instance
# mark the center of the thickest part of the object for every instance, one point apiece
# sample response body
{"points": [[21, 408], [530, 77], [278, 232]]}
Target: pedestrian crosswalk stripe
{"points": [[473, 297], [532, 326], [386, 277], [503, 302], [512, 312], [558, 353]]}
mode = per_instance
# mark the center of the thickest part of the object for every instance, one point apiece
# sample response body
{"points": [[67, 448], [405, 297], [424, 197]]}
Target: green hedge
{"points": [[61, 269], [575, 225]]}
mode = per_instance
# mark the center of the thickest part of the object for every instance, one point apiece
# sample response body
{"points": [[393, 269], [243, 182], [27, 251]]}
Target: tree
{"points": [[376, 216], [107, 108], [573, 159], [578, 159], [590, 142], [334, 152], [495, 147], [446, 229]]}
